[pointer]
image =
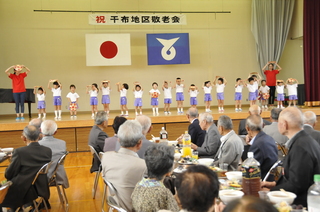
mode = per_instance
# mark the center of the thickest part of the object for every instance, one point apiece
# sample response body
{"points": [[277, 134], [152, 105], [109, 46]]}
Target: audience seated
{"points": [[36, 122], [211, 142], [231, 147], [262, 145], [25, 163], [249, 204], [150, 194], [124, 169], [111, 142], [310, 120], [58, 148], [194, 129], [253, 110], [97, 137], [303, 159], [272, 130]]}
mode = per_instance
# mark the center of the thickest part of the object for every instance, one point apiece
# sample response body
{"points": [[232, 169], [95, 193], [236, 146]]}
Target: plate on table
{"points": [[7, 150]]}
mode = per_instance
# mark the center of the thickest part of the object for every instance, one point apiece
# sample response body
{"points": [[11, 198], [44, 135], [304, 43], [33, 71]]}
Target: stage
{"points": [[76, 131]]}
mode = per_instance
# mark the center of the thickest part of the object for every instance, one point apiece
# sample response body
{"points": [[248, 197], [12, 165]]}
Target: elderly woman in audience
{"points": [[111, 142], [150, 194]]}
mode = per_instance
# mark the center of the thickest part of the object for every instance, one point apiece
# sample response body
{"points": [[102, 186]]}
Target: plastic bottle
{"points": [[163, 134], [186, 141], [251, 176], [314, 195]]}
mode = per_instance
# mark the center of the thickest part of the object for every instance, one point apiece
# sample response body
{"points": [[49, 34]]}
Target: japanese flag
{"points": [[108, 49]]}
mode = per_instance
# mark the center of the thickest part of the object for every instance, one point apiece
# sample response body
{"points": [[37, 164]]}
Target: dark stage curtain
{"points": [[311, 51]]}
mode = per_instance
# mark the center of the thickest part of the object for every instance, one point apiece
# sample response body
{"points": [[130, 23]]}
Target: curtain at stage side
{"points": [[270, 24], [311, 51]]}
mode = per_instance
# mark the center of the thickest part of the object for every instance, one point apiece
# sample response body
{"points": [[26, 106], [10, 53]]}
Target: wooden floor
{"points": [[79, 193]]}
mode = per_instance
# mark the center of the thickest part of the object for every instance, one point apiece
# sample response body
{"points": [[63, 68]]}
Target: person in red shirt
{"points": [[19, 88], [271, 78]]}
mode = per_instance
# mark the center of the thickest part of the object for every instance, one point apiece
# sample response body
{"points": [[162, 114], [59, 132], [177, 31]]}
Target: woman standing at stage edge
{"points": [[18, 87], [271, 78]]}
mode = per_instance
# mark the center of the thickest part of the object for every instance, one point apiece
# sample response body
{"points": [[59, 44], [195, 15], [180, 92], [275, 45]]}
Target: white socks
{"points": [[56, 114]]}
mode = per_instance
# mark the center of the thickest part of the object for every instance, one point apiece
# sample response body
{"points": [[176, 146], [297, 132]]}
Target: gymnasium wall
{"points": [[52, 45]]}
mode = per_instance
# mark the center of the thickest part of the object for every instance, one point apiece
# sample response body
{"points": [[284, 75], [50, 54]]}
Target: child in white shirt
{"points": [[41, 96], [292, 85], [193, 92], [220, 85], [264, 92], [280, 90], [73, 101]]}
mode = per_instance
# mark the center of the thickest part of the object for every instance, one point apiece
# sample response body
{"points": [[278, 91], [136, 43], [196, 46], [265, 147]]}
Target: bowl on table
{"points": [[234, 175], [228, 195], [177, 156], [205, 161], [7, 150], [281, 196], [172, 143]]}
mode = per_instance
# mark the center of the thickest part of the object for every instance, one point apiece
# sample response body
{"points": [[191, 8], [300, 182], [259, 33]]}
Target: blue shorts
{"points": [[207, 97], [179, 96], [168, 101], [220, 96], [93, 100], [41, 105], [105, 99], [193, 101], [57, 100], [138, 102], [293, 97], [257, 93], [252, 96], [280, 97], [123, 100], [154, 101], [238, 96]]}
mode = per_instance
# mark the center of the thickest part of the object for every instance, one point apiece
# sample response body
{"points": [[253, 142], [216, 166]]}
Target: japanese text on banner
{"points": [[137, 19]]}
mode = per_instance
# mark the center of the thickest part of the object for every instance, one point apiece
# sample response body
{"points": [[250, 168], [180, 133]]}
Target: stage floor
{"points": [[8, 123]]}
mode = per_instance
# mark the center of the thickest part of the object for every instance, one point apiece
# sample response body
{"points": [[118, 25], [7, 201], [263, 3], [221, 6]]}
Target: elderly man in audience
{"points": [[25, 163], [111, 142], [150, 194], [197, 189], [194, 129], [58, 148], [231, 147], [273, 131], [97, 137], [310, 120], [253, 110], [124, 169], [145, 123], [211, 143], [262, 145], [303, 159], [36, 122]]}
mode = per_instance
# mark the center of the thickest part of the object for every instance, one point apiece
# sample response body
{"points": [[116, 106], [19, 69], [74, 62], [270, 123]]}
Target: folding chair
{"points": [[3, 190], [43, 170], [96, 179], [60, 187], [113, 204]]}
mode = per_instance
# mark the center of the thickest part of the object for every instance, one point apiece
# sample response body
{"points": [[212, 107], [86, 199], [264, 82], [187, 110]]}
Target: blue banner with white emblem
{"points": [[169, 48]]}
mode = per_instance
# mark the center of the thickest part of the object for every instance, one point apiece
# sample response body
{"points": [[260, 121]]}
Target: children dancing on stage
{"points": [[220, 85], [105, 88], [123, 88], [292, 86], [41, 96], [179, 95], [193, 91], [73, 101], [207, 88], [238, 94], [167, 97], [154, 92], [138, 92], [93, 92], [57, 101]]}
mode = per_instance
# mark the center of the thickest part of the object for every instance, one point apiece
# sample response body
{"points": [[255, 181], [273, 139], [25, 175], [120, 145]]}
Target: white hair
{"points": [[145, 123], [206, 116], [48, 127], [130, 133], [309, 117]]}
